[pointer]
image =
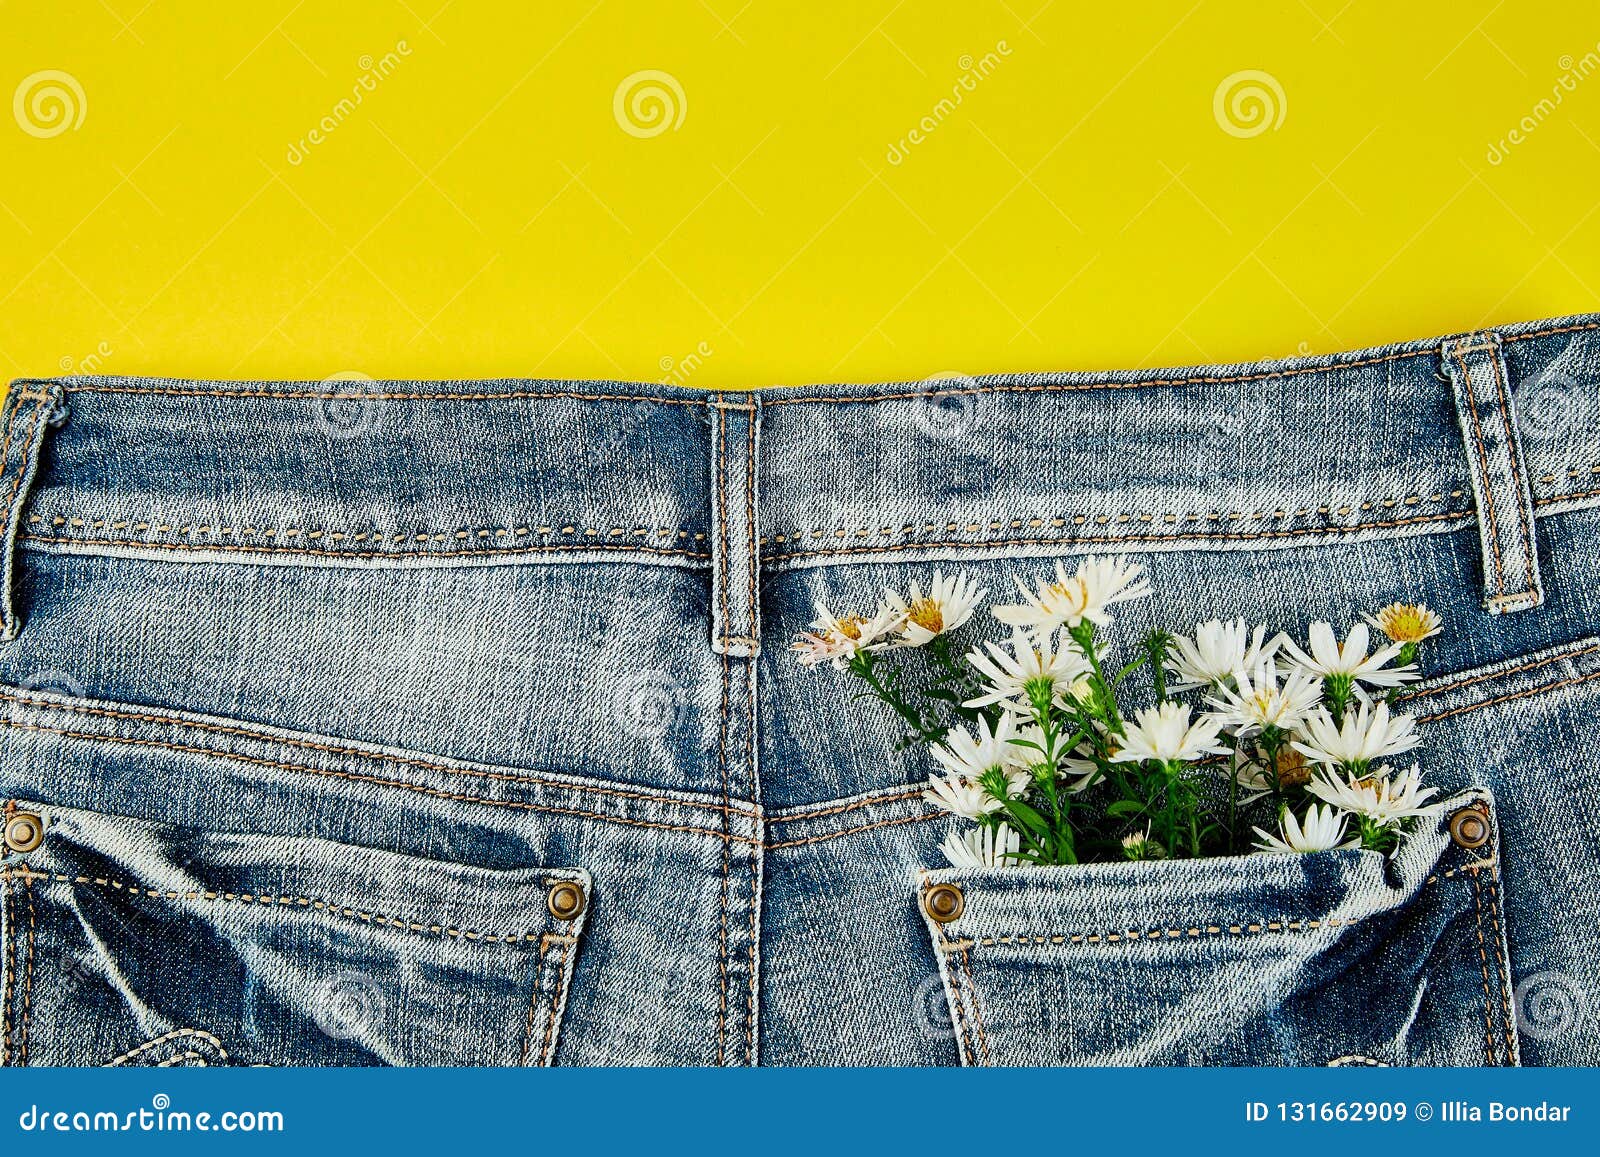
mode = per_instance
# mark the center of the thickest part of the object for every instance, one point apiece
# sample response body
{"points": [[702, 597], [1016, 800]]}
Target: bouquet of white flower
{"points": [[1036, 750]]}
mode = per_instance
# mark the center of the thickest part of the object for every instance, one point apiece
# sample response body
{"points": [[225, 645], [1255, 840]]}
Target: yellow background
{"points": [[483, 211]]}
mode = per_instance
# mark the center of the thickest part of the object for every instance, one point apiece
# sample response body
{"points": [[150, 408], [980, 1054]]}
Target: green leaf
{"points": [[1125, 807]]}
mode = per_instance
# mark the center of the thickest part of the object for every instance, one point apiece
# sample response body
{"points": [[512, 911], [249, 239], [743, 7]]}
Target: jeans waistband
{"points": [[364, 473]]}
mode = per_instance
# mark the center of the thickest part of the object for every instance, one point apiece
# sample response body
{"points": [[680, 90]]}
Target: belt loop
{"points": [[1497, 467], [31, 409], [735, 581]]}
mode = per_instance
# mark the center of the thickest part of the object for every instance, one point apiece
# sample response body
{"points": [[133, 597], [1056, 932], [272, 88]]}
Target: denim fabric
{"points": [[455, 722]]}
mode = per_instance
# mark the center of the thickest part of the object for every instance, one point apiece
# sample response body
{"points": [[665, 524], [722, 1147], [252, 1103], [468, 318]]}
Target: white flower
{"points": [[924, 617], [1407, 622], [1323, 829], [1165, 733], [1366, 734], [839, 637], [1217, 650], [1382, 797], [982, 847], [1330, 658], [968, 761], [1257, 700], [1097, 584], [1139, 846], [1032, 659]]}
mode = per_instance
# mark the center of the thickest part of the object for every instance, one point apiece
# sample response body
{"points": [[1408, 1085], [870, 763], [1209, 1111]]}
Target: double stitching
{"points": [[167, 1038]]}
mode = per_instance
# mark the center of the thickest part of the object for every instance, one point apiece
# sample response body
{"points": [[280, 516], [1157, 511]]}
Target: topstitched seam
{"points": [[727, 707], [164, 1038], [27, 874], [1490, 525], [482, 552], [1469, 679], [1517, 478], [142, 526]]}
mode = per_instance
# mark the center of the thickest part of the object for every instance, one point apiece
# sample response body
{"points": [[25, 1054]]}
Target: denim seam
{"points": [[721, 503], [6, 899], [555, 1004], [327, 395], [27, 874], [1483, 959], [1554, 498], [183, 1055], [897, 796], [1329, 531], [166, 1038], [1037, 522], [1523, 694], [977, 1009], [969, 1053], [379, 781], [485, 552], [385, 757], [142, 526], [1502, 972], [1571, 472], [1576, 653], [27, 977], [1524, 515]]}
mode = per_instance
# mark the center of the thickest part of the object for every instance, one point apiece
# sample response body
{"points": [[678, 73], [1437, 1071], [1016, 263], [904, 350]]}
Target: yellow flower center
{"points": [[1405, 622], [850, 626], [927, 615]]}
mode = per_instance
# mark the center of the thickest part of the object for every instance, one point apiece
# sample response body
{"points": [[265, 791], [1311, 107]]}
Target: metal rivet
{"points": [[943, 902], [565, 900], [1469, 828], [24, 832]]}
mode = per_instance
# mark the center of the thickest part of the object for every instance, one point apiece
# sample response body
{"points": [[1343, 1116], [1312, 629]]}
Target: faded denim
{"points": [[455, 722]]}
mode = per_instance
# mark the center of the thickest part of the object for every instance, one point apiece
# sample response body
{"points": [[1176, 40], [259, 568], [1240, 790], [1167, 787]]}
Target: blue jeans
{"points": [[455, 722]]}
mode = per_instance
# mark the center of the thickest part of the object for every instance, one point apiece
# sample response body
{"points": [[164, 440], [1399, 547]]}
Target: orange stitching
{"points": [[1115, 538], [533, 1004], [1486, 483], [143, 526], [487, 552], [1483, 957], [970, 1053], [555, 1005], [1547, 332], [1424, 692], [354, 777], [912, 793], [823, 838], [27, 981], [335, 749], [977, 1011], [1566, 497], [754, 564], [298, 903], [1509, 697], [1516, 467], [1502, 973]]}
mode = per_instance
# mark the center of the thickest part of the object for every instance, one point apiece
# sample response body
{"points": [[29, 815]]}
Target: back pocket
{"points": [[131, 942], [1338, 957]]}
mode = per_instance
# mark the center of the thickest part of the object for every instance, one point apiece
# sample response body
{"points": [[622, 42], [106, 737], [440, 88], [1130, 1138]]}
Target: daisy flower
{"points": [[924, 617], [1256, 776], [1139, 846], [1085, 594], [1382, 797], [839, 637], [1323, 829], [972, 764], [1366, 734], [1217, 650], [982, 847], [1164, 733], [1349, 660], [1257, 700], [1046, 663], [1407, 622]]}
